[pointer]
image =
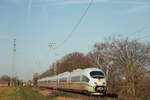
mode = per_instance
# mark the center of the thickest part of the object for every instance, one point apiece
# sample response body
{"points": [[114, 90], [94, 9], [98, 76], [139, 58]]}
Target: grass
{"points": [[21, 93]]}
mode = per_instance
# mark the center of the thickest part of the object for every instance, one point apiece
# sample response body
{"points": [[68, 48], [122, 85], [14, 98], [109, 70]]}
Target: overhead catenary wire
{"points": [[143, 37], [139, 30], [77, 24]]}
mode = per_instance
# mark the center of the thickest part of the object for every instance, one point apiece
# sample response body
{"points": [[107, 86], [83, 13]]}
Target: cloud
{"points": [[142, 4], [134, 2], [84, 1], [43, 3], [136, 6], [137, 9]]}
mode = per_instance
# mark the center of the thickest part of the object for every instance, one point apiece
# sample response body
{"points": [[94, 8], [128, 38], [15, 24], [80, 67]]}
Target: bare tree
{"points": [[125, 60], [132, 58], [73, 61]]}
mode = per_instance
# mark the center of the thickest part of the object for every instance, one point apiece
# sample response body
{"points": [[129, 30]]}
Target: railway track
{"points": [[81, 96]]}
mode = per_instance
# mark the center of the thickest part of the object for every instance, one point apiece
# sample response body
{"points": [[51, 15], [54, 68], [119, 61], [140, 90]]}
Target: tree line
{"points": [[126, 62], [11, 81]]}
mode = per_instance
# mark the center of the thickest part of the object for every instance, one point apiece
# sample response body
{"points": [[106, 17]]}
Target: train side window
{"points": [[49, 81], [55, 80], [75, 79], [85, 79], [63, 80]]}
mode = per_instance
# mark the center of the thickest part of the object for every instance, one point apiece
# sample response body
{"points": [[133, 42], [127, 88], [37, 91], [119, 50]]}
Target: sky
{"points": [[36, 23]]}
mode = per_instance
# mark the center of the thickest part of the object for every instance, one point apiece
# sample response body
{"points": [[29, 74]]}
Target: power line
{"points": [[139, 31], [143, 37], [78, 23]]}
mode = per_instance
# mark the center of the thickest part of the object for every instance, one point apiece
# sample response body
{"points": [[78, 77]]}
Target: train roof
{"points": [[76, 72], [65, 74], [91, 69], [88, 70], [43, 79], [85, 71], [48, 78]]}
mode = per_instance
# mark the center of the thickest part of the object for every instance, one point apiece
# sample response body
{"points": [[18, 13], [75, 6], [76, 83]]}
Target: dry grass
{"points": [[8, 93], [20, 93]]}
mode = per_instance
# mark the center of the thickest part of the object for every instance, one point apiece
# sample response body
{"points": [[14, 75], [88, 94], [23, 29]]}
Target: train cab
{"points": [[97, 81]]}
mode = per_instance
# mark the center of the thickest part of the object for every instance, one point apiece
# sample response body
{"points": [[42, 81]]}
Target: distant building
{"points": [[28, 83], [4, 83]]}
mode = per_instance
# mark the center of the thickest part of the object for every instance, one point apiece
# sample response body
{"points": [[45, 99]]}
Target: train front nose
{"points": [[100, 89]]}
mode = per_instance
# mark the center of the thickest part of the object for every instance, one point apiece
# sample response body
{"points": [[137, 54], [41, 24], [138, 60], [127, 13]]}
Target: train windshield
{"points": [[97, 74]]}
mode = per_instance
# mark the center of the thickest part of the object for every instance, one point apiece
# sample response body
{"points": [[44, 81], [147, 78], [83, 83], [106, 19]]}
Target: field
{"points": [[25, 93], [21, 93]]}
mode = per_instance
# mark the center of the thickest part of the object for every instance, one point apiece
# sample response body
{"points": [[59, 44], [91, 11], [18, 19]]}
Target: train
{"points": [[90, 80]]}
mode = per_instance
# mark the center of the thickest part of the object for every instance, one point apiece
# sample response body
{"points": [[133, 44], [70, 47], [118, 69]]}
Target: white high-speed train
{"points": [[89, 80]]}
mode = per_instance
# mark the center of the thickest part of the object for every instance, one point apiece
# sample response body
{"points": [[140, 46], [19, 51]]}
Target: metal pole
{"points": [[14, 63], [50, 45]]}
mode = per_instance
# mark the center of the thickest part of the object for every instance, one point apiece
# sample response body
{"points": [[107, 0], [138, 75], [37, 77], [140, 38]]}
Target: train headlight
{"points": [[104, 83]]}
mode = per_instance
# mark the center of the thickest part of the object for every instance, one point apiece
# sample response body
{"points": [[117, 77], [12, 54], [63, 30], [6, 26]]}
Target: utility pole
{"points": [[50, 45], [14, 73]]}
